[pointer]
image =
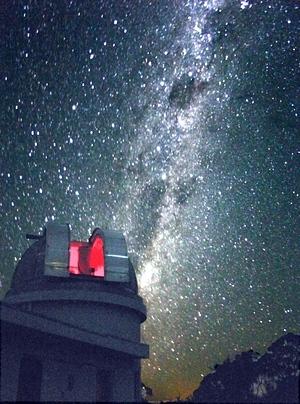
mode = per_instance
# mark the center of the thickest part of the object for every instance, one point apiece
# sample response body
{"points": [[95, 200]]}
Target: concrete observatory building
{"points": [[70, 323]]}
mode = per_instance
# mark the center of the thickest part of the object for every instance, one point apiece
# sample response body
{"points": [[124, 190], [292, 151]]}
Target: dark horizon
{"points": [[175, 122]]}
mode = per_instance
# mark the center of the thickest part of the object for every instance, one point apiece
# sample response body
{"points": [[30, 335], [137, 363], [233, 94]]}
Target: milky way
{"points": [[177, 123]]}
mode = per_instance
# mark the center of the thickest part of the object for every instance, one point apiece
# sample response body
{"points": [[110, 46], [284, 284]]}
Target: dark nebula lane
{"points": [[177, 123]]}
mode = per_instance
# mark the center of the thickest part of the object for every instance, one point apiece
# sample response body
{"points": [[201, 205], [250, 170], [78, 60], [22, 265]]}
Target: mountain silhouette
{"points": [[269, 378]]}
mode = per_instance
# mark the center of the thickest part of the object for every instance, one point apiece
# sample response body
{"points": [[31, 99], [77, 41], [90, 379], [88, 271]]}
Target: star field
{"points": [[176, 122]]}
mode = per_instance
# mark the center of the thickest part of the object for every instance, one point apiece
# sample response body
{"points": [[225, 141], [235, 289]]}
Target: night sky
{"points": [[177, 122]]}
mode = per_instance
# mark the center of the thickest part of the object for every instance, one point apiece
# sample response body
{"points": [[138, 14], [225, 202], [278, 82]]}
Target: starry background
{"points": [[203, 183]]}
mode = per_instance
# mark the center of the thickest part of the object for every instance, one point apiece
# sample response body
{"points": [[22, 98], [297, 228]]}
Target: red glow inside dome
{"points": [[87, 258]]}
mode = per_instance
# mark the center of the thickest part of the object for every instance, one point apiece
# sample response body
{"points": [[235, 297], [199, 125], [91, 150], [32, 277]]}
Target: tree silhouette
{"points": [[272, 377]]}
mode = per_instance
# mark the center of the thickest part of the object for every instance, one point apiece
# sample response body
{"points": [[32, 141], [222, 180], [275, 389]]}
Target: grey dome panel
{"points": [[57, 250], [114, 243], [116, 257]]}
